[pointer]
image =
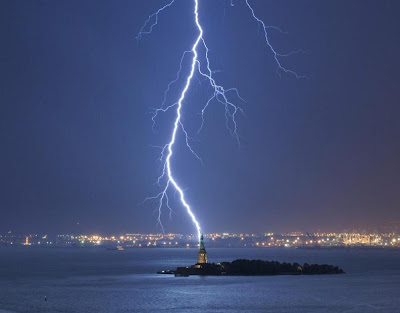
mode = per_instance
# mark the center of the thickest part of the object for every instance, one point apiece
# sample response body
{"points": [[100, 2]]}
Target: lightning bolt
{"points": [[166, 180]]}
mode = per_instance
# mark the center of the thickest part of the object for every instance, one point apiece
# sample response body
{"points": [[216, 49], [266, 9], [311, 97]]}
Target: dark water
{"points": [[97, 280]]}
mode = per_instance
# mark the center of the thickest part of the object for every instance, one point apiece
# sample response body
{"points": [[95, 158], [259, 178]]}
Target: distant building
{"points": [[202, 254]]}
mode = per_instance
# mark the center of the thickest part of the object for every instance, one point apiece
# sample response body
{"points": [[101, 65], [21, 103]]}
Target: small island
{"points": [[242, 267]]}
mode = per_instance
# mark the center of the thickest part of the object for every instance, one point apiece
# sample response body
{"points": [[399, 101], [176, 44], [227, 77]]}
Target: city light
{"points": [[213, 240]]}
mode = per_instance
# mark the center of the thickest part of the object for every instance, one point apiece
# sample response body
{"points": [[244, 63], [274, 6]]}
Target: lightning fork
{"points": [[167, 180]]}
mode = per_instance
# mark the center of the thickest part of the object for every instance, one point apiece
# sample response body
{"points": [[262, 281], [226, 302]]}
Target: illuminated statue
{"points": [[202, 255]]}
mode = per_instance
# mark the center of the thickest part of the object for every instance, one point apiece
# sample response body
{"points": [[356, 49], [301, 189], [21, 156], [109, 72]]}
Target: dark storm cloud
{"points": [[317, 153]]}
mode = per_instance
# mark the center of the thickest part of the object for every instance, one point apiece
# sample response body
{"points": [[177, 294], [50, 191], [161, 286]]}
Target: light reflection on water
{"points": [[98, 280]]}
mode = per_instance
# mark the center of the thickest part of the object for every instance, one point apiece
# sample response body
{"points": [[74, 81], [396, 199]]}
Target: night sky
{"points": [[76, 89]]}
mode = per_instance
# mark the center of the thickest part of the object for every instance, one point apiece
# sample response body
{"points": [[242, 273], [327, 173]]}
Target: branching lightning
{"points": [[166, 180], [274, 52]]}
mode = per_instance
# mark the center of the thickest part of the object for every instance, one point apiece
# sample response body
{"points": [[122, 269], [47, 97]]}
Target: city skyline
{"points": [[212, 240]]}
